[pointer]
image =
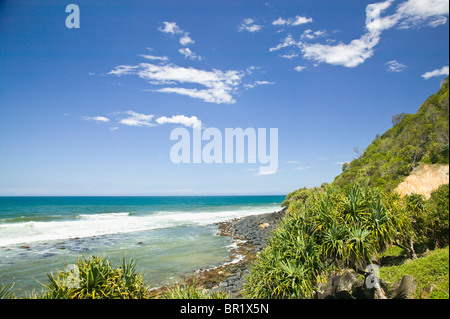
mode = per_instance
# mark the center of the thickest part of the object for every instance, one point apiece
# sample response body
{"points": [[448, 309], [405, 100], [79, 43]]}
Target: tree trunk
{"points": [[413, 253]]}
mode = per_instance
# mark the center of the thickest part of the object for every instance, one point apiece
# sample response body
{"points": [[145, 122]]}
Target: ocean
{"points": [[168, 236]]}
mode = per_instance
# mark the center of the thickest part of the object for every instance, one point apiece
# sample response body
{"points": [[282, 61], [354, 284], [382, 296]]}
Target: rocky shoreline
{"points": [[250, 234]]}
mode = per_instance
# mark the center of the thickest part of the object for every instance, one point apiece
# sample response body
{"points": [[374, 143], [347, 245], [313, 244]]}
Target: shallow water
{"points": [[167, 236]]}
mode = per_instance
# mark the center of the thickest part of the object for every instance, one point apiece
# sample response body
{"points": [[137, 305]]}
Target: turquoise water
{"points": [[169, 236]]}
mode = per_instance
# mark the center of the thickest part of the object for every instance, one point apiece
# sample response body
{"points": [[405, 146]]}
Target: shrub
{"points": [[96, 278], [192, 291], [437, 218], [332, 229]]}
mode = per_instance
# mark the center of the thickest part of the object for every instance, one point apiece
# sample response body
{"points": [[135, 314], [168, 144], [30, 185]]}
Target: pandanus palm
{"points": [[359, 246], [333, 243], [354, 203], [379, 222]]}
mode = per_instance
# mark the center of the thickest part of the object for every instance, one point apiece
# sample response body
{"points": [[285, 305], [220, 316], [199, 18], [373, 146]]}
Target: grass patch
{"points": [[394, 251], [429, 271]]}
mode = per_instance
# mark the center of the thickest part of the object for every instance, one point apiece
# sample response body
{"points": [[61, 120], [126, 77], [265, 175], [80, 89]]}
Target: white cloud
{"points": [[96, 118], [298, 20], [123, 70], [188, 54], [289, 55], [219, 86], [186, 40], [279, 21], [411, 13], [192, 121], [287, 42], [257, 83], [437, 72], [395, 66], [310, 35], [301, 20], [136, 119], [299, 68], [352, 54], [302, 168], [417, 12], [249, 25], [154, 58], [348, 55], [170, 27], [173, 28], [209, 95]]}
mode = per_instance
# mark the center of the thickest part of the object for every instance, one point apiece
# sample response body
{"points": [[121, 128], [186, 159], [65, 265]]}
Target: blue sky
{"points": [[89, 110]]}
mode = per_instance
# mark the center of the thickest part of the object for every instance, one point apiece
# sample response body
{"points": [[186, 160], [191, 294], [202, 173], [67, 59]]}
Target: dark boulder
{"points": [[406, 288]]}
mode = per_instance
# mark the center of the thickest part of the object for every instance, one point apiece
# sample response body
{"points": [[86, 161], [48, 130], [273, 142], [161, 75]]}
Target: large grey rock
{"points": [[406, 288]]}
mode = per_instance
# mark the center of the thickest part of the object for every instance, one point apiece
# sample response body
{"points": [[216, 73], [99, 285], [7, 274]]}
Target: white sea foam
{"points": [[88, 225]]}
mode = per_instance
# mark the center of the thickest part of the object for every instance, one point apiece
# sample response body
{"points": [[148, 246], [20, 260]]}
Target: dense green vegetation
{"points": [[429, 219], [336, 228], [345, 224], [414, 138]]}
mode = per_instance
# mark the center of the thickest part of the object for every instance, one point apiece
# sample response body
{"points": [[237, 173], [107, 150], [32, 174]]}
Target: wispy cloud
{"points": [[137, 119], [188, 54], [310, 34], [101, 119], [287, 42], [216, 86], [132, 118], [395, 66], [414, 13], [185, 39], [257, 83], [170, 27], [192, 121], [298, 20], [348, 55], [437, 72], [409, 14], [289, 55], [299, 68], [154, 58], [249, 25]]}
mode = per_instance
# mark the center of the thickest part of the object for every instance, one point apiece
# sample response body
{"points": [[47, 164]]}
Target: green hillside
{"points": [[414, 138], [344, 225]]}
